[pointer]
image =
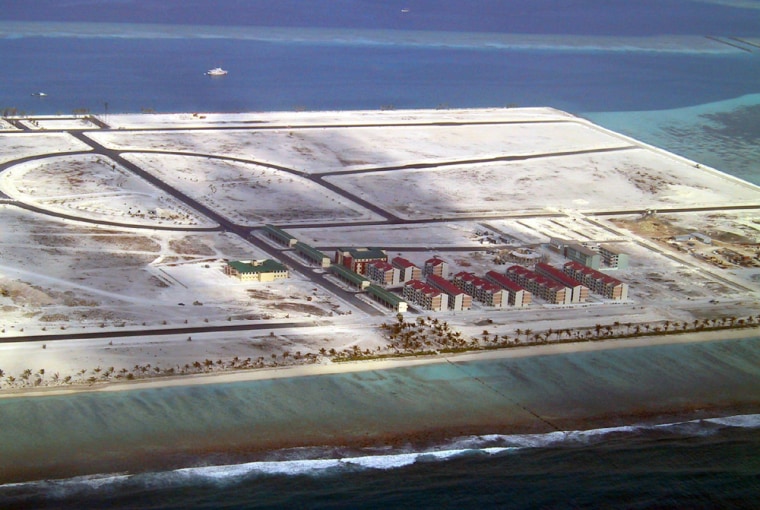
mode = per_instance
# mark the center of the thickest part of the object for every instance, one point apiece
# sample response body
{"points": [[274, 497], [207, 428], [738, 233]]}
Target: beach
{"points": [[333, 368], [358, 408]]}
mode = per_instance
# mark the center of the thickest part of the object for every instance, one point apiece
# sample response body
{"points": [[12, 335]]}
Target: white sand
{"points": [[65, 274], [388, 364]]}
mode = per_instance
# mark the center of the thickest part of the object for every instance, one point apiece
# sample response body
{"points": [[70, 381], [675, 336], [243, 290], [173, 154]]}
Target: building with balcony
{"points": [[540, 286], [436, 266], [598, 282], [583, 255], [458, 299], [481, 290], [612, 257], [357, 259], [518, 296], [425, 296], [407, 270], [578, 291], [383, 273]]}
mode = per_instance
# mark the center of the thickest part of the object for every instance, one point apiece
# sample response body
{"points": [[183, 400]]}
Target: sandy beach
{"points": [[420, 403], [332, 368]]}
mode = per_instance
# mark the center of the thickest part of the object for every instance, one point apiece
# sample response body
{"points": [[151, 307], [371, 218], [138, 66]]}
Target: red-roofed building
{"points": [[579, 292], [407, 270], [437, 267], [544, 288], [598, 282], [426, 296], [383, 273], [481, 290], [458, 299], [357, 259], [518, 296]]}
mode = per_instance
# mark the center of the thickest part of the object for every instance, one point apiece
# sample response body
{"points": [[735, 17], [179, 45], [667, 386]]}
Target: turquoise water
{"points": [[277, 432]]}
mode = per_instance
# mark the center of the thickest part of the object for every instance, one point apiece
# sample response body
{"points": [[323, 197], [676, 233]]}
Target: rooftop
{"points": [[445, 285], [364, 253], [257, 266]]}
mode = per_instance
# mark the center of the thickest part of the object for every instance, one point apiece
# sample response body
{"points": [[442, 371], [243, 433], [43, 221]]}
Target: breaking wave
{"points": [[313, 462]]}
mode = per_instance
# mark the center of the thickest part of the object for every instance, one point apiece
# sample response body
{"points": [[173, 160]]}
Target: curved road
{"points": [[244, 231]]}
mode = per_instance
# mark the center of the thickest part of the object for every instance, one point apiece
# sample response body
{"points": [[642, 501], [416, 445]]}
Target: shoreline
{"points": [[380, 407], [344, 367]]}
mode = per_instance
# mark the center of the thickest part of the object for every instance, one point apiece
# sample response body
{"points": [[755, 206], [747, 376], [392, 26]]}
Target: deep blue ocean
{"points": [[648, 68]]}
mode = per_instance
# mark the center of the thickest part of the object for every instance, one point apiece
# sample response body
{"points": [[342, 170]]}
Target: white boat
{"points": [[39, 94], [217, 71]]}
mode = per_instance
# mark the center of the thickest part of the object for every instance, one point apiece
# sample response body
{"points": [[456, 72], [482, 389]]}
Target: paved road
{"points": [[240, 230], [111, 333]]}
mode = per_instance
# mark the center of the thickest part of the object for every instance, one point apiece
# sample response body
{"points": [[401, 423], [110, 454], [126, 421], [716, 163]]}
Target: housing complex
{"points": [[369, 271], [583, 255], [481, 290], [407, 270], [612, 257], [518, 296], [605, 255], [578, 292], [426, 296], [437, 267], [458, 299], [598, 282], [540, 286], [383, 273]]}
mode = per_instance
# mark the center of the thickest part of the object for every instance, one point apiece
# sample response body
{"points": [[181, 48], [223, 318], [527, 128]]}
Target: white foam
{"points": [[491, 444], [285, 467], [749, 421]]}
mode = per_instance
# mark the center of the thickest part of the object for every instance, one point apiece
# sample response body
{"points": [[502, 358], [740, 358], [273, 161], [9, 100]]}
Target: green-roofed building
{"points": [[387, 298], [357, 259], [350, 277], [266, 270], [280, 235], [313, 255]]}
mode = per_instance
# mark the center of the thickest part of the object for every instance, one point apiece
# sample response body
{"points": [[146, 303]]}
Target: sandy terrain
{"points": [[301, 370], [87, 245]]}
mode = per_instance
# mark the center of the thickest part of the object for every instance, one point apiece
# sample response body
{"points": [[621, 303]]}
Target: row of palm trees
{"points": [[424, 335], [428, 336], [30, 378]]}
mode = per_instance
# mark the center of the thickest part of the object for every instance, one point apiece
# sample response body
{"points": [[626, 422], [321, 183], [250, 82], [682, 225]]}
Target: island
{"points": [[140, 247], [198, 289]]}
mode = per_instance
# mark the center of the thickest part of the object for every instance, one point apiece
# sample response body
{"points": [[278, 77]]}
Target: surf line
{"points": [[524, 408]]}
